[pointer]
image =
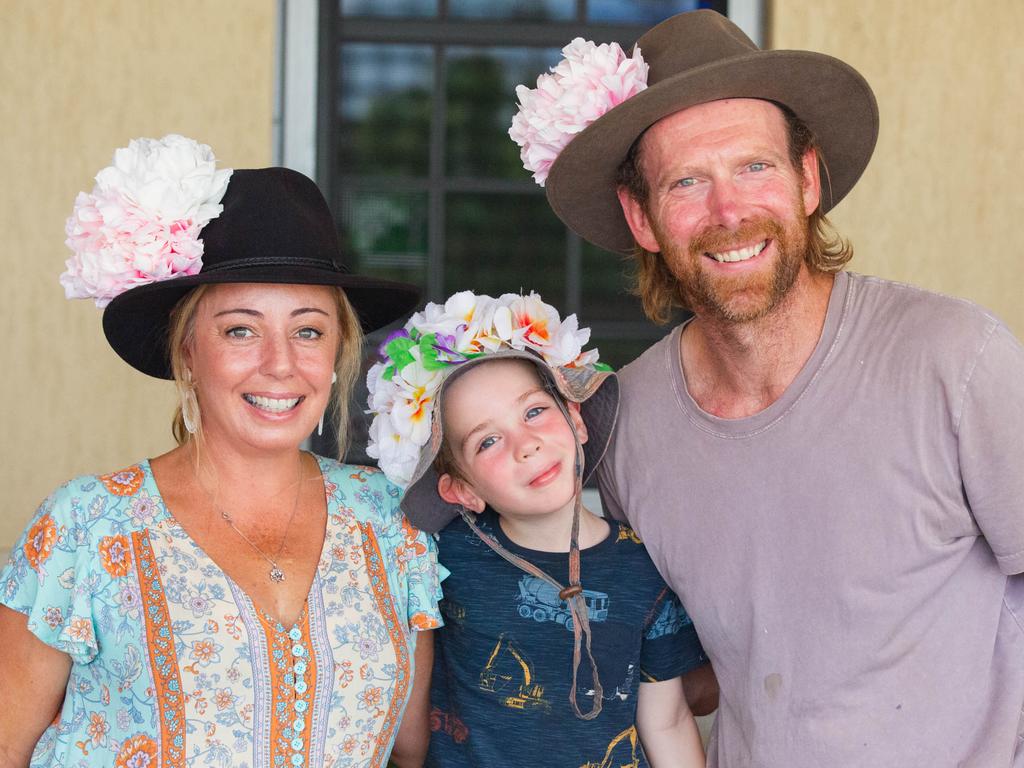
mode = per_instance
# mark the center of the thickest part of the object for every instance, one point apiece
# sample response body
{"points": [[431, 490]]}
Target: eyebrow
{"points": [[483, 424], [255, 313]]}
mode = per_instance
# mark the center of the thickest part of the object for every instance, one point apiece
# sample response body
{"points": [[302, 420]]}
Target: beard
{"points": [[740, 298]]}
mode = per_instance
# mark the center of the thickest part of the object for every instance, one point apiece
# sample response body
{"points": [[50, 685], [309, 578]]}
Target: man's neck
{"points": [[733, 370]]}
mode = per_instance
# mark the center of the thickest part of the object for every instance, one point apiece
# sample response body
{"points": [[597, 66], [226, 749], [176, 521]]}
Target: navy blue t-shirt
{"points": [[503, 661]]}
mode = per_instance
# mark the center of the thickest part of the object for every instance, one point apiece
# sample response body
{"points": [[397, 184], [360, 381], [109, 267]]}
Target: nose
{"points": [[726, 204], [527, 446], [277, 357]]}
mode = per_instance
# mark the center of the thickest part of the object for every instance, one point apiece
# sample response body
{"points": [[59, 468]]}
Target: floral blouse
{"points": [[173, 665]]}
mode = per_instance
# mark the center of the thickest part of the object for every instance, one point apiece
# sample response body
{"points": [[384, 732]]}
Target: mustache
{"points": [[717, 240]]}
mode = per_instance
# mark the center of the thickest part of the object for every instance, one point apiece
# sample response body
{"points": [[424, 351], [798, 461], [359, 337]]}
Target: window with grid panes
{"points": [[415, 101]]}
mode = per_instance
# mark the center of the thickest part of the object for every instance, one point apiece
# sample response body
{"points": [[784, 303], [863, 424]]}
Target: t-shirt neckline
{"points": [[765, 419]]}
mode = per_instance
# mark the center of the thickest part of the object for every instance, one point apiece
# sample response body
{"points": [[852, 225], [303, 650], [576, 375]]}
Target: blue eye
{"points": [[535, 411], [757, 167], [239, 332], [310, 333], [689, 181], [486, 443]]}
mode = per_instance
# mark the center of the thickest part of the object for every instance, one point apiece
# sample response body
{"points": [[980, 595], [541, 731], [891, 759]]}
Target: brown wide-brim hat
{"points": [[276, 227], [697, 57], [597, 392]]}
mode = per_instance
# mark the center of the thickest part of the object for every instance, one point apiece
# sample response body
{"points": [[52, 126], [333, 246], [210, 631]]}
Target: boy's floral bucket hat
{"points": [[406, 387]]}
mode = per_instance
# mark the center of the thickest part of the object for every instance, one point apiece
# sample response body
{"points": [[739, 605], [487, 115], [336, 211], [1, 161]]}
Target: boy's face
{"points": [[510, 440]]}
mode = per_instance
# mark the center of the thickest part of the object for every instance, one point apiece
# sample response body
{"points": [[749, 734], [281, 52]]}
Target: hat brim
{"points": [[831, 97], [596, 391], [136, 322]]}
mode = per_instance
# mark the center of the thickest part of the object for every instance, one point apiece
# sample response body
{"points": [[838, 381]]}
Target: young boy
{"points": [[545, 659]]}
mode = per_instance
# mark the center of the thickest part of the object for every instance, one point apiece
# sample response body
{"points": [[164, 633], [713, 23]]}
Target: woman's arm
{"points": [[413, 735], [666, 726], [33, 679]]}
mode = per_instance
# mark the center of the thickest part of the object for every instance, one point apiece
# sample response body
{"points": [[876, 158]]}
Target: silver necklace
{"points": [[276, 573]]}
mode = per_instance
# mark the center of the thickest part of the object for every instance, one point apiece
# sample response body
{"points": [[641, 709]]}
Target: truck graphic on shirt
{"points": [[539, 600]]}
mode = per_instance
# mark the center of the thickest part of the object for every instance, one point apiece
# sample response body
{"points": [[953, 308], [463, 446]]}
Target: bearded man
{"points": [[826, 467]]}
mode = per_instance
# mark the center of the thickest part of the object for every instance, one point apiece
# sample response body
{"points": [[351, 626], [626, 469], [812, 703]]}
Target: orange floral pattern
{"points": [[125, 482], [137, 752], [40, 540], [181, 678], [421, 621], [115, 555]]}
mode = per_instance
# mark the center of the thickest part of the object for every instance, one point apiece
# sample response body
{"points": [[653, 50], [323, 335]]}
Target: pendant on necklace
{"points": [[276, 574]]}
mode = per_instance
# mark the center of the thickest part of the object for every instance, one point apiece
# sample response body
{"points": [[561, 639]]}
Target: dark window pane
{"points": [[605, 282], [503, 243], [408, 8], [519, 10], [647, 12], [385, 233], [384, 109], [481, 103]]}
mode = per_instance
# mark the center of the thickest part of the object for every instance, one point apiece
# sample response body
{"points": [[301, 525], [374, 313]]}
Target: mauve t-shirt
{"points": [[847, 554]]}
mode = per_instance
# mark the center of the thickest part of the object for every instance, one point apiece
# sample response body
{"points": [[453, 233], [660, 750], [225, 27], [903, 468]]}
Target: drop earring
{"points": [[320, 426], [189, 405]]}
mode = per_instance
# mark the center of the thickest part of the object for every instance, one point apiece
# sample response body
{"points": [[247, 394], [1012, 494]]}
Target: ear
{"points": [[577, 421], [811, 178], [636, 218], [458, 491]]}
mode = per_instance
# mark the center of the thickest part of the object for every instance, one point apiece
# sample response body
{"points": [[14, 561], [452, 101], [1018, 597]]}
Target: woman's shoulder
{"points": [[352, 476], [361, 490], [91, 495]]}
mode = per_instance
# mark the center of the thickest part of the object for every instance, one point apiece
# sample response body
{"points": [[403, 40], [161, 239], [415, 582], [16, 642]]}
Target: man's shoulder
{"points": [[654, 361], [918, 313]]}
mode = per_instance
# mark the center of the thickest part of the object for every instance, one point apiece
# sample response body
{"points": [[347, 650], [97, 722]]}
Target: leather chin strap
{"points": [[573, 593]]}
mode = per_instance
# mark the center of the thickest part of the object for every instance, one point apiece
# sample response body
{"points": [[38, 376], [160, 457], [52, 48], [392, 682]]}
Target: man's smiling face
{"points": [[727, 210]]}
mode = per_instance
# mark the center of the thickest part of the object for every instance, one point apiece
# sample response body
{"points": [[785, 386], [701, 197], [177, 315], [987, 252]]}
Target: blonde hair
{"points": [[181, 335], [659, 290]]}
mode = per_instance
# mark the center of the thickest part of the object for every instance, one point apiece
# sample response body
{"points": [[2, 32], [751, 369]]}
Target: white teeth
{"points": [[742, 254], [274, 405]]}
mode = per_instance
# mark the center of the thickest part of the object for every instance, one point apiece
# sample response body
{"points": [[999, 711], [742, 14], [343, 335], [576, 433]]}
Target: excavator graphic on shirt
{"points": [[509, 674]]}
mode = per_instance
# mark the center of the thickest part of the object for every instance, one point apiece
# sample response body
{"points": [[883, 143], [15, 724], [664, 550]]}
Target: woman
{"points": [[235, 601]]}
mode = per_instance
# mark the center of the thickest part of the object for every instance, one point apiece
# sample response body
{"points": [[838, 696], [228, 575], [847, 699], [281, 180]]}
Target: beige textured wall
{"points": [[940, 202], [78, 80]]}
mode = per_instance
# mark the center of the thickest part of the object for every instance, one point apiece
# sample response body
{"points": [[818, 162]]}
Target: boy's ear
{"points": [[577, 421], [458, 491]]}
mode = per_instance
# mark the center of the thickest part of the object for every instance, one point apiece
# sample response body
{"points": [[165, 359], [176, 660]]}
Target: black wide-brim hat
{"points": [[697, 57], [276, 227]]}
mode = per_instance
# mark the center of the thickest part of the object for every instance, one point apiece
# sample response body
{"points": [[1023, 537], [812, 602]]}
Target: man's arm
{"points": [[33, 680], [666, 726], [413, 735], [701, 688]]}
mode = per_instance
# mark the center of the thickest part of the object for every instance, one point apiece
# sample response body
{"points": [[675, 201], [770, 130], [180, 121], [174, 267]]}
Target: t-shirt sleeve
{"points": [[411, 556], [606, 486], [670, 645], [50, 578], [991, 446]]}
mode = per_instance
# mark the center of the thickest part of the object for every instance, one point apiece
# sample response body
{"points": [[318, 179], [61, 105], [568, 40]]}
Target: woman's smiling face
{"points": [[262, 358]]}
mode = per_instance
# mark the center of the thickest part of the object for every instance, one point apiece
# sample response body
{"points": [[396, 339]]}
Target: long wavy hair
{"points": [[653, 282]]}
